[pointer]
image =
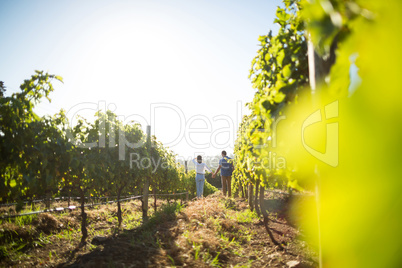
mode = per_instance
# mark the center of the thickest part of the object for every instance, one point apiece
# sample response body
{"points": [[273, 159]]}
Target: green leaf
{"points": [[280, 56], [58, 78], [13, 183], [279, 97], [287, 72]]}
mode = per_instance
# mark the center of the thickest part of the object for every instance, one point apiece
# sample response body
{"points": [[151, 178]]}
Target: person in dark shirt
{"points": [[226, 168]]}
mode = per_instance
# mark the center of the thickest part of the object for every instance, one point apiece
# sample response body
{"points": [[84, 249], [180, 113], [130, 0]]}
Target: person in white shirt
{"points": [[200, 176]]}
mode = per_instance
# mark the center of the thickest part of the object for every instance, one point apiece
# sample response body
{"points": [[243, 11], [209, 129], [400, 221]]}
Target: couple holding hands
{"points": [[226, 168]]}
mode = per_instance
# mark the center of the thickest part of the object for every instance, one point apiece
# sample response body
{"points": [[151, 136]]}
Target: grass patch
{"points": [[165, 213], [246, 216]]}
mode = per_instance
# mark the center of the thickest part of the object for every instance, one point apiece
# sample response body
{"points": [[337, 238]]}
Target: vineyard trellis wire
{"points": [[69, 208]]}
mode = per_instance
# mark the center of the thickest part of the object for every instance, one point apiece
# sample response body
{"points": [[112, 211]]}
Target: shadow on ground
{"points": [[126, 248]]}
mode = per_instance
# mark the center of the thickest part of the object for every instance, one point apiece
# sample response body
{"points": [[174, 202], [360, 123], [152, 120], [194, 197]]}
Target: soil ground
{"points": [[214, 231]]}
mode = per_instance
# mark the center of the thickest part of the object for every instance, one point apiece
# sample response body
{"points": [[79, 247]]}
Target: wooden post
{"points": [[318, 69], [69, 196], [250, 196], [257, 208], [84, 230], [154, 192], [241, 187], [185, 167], [48, 199], [147, 178], [314, 77]]}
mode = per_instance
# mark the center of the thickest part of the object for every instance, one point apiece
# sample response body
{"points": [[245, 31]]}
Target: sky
{"points": [[180, 66]]}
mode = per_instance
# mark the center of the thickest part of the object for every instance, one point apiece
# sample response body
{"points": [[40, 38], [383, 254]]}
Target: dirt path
{"points": [[215, 231]]}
